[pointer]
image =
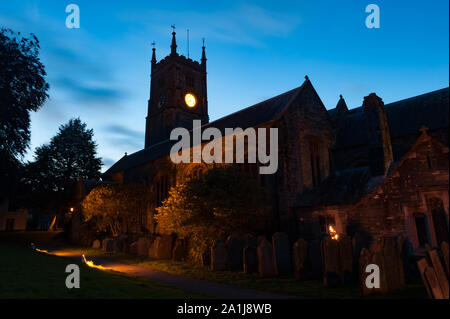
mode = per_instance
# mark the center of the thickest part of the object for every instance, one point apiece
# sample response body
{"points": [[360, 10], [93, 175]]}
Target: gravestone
{"points": [[300, 255], [235, 247], [96, 244], [143, 244], [133, 248], [250, 260], [250, 241], [179, 250], [331, 262], [314, 263], [445, 251], [282, 253], [152, 250], [206, 258], [440, 273], [260, 239], [346, 259], [365, 258], [164, 247], [219, 256], [108, 245], [266, 262], [394, 268]]}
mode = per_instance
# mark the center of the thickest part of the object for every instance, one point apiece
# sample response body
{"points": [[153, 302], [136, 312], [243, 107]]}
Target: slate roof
{"points": [[342, 187], [405, 117], [251, 116]]}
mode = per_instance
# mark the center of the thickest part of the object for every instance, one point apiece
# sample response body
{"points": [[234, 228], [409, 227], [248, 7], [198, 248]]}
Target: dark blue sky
{"points": [[255, 50]]}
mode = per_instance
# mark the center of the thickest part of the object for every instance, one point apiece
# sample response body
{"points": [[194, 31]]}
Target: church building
{"points": [[377, 169]]}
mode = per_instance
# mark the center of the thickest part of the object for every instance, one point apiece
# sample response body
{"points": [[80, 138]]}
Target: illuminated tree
{"points": [[117, 208], [221, 202]]}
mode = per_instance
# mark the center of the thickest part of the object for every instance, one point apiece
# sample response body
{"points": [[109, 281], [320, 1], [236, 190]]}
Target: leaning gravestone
{"points": [[445, 251], [250, 260], [300, 254], [164, 247], [282, 253], [331, 262], [143, 244], [235, 247], [96, 244], [218, 256], [266, 262]]}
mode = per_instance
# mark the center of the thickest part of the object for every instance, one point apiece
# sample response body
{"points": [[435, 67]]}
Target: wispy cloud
{"points": [[244, 25]]}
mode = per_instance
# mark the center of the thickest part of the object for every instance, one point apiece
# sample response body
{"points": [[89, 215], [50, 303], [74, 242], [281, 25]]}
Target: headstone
{"points": [[250, 241], [260, 239], [235, 247], [282, 253], [133, 248], [96, 244], [108, 245], [445, 251], [440, 273], [346, 259], [314, 264], [422, 265], [164, 247], [218, 256], [179, 250], [206, 258], [393, 269], [364, 260], [120, 244], [143, 244], [330, 262], [154, 246], [250, 260], [266, 262], [300, 254]]}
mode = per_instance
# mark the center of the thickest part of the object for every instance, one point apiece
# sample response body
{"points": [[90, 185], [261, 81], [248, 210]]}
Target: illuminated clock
{"points": [[190, 100]]}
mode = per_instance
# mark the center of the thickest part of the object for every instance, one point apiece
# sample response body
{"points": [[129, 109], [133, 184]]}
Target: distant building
{"points": [[12, 220], [377, 169]]}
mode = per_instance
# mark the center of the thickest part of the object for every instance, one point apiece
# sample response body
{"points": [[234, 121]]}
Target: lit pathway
{"points": [[204, 287]]}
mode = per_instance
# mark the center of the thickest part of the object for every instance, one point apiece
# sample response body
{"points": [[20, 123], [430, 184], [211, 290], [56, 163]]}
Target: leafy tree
{"points": [[117, 208], [22, 89], [70, 156], [222, 201]]}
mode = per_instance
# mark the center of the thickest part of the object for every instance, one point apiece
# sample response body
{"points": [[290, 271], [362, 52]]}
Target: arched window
{"points": [[420, 220]]}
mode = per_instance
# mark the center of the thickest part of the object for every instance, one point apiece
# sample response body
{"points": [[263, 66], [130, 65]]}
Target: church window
{"points": [[421, 229], [439, 218]]}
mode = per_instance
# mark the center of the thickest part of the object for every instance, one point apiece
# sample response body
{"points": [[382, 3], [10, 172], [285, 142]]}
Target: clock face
{"points": [[190, 99]]}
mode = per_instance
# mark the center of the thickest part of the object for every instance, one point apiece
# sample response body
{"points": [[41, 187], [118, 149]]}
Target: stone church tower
{"points": [[177, 94]]}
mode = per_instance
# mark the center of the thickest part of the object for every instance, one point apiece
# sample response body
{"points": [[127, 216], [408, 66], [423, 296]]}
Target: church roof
{"points": [[251, 116], [342, 187], [405, 117]]}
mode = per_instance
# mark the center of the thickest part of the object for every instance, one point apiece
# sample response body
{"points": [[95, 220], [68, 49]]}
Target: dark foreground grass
{"points": [[284, 285], [25, 273]]}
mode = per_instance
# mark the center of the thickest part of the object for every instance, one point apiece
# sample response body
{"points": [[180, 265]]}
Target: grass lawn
{"points": [[285, 285], [25, 273]]}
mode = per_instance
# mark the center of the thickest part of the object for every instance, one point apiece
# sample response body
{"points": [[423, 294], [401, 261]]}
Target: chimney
{"points": [[379, 139]]}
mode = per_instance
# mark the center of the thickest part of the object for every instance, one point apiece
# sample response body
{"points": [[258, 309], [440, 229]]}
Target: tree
{"points": [[221, 202], [70, 156], [117, 208], [22, 89]]}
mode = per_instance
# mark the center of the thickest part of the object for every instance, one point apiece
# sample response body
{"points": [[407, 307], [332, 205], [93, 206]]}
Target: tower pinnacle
{"points": [[173, 46]]}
